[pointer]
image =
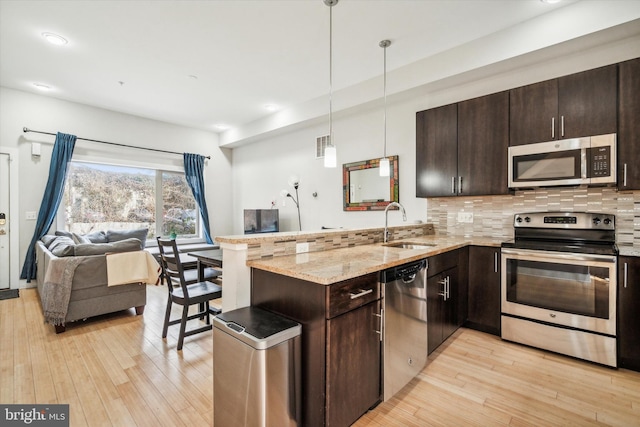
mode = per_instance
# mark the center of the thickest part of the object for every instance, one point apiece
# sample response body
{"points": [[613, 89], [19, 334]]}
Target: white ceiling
{"points": [[243, 53]]}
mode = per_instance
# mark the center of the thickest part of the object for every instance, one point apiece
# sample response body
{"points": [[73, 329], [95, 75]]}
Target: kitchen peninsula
{"points": [[333, 291], [240, 250]]}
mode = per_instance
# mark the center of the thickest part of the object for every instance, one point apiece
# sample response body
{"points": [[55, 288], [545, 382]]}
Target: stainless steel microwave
{"points": [[578, 161]]}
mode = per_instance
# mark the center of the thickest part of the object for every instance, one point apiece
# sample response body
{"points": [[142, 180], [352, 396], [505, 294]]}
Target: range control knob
{"points": [[607, 221], [596, 220], [527, 219], [518, 219]]}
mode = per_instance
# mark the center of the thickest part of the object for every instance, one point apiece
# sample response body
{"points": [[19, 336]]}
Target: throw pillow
{"points": [[126, 245], [47, 239], [79, 238], [62, 246], [97, 237], [117, 235], [64, 233]]}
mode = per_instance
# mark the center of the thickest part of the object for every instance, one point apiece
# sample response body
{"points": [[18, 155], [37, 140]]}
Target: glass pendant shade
{"points": [[330, 157], [384, 167]]}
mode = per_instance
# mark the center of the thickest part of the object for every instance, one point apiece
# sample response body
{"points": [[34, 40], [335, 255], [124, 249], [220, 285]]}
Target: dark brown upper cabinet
{"points": [[461, 149], [580, 104], [533, 112], [483, 142], [629, 125], [437, 151]]}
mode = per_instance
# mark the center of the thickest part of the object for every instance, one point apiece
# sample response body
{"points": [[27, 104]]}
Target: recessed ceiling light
{"points": [[270, 107], [55, 39], [550, 1], [42, 87]]}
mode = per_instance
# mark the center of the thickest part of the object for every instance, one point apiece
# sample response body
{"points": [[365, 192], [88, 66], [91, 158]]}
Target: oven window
{"points": [[575, 289], [547, 166]]}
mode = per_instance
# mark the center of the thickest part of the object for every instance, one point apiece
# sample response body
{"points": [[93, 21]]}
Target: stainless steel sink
{"points": [[409, 245]]}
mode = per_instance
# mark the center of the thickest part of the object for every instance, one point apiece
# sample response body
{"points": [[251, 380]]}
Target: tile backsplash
{"points": [[493, 215], [276, 244]]}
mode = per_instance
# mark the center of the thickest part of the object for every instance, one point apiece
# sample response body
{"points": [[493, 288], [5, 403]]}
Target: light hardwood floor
{"points": [[117, 371]]}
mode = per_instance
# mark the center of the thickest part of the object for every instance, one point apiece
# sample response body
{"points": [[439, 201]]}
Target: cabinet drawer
{"points": [[353, 293], [439, 263]]}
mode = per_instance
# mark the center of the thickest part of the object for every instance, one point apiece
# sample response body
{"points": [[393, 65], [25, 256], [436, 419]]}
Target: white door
{"points": [[5, 266]]}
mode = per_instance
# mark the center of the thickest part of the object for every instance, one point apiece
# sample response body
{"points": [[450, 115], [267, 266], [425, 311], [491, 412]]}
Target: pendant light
{"points": [[330, 149], [384, 162]]}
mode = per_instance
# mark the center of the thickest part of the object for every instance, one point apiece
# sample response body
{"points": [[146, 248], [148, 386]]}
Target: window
{"points": [[107, 197]]}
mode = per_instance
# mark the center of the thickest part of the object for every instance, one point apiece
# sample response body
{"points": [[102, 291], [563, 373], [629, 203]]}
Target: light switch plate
{"points": [[30, 215]]}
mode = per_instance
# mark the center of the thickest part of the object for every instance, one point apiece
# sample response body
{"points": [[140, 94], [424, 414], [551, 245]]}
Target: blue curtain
{"points": [[193, 167], [60, 158]]}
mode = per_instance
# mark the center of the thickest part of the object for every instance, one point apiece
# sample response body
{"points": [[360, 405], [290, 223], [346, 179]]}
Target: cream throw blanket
{"points": [[132, 267]]}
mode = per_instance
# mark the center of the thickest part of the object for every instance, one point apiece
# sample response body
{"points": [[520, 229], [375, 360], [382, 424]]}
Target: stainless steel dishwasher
{"points": [[405, 324]]}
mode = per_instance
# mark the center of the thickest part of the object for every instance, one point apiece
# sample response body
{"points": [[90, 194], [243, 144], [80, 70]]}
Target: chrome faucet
{"points": [[386, 211]]}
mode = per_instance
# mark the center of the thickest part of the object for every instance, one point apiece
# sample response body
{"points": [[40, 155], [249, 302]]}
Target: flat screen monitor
{"points": [[260, 221]]}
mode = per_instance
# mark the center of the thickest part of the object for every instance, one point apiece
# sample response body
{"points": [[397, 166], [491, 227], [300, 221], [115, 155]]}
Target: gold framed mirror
{"points": [[363, 187]]}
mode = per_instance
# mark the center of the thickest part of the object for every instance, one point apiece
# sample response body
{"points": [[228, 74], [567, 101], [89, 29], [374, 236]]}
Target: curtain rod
{"points": [[25, 130]]}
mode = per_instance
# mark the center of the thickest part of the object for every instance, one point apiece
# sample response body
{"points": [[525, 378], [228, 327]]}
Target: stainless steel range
{"points": [[559, 284]]}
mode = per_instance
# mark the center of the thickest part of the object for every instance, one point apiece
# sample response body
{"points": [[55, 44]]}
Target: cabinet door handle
{"points": [[553, 127], [362, 293], [562, 126], [624, 175], [445, 288], [459, 185], [381, 317], [495, 262], [626, 269], [443, 294], [453, 185]]}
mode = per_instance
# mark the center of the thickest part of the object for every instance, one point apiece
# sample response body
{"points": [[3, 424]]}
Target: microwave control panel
{"points": [[599, 159]]}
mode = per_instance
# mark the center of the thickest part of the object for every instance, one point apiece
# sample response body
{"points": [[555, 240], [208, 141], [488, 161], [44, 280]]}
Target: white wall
{"points": [[260, 169], [21, 109]]}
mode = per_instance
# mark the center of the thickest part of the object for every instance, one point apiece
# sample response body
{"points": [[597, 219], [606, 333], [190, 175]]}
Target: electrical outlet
{"points": [[465, 216], [302, 248], [30, 215]]}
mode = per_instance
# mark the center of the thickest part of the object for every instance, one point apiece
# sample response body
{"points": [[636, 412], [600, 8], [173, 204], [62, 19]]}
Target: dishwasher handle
{"points": [[409, 278]]}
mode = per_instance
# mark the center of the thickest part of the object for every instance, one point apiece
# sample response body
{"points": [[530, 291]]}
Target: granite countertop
{"points": [[336, 265], [629, 250]]}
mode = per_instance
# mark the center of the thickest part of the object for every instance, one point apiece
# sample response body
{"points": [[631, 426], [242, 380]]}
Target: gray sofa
{"points": [[90, 296]]}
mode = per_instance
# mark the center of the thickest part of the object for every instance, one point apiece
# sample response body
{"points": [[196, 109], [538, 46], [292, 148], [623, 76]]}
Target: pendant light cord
{"points": [[331, 75], [384, 88], [384, 44]]}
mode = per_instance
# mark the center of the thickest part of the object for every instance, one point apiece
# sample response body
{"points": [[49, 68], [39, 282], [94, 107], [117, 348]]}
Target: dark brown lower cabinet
{"points": [[441, 307], [446, 296], [341, 350], [484, 289], [628, 313], [353, 364]]}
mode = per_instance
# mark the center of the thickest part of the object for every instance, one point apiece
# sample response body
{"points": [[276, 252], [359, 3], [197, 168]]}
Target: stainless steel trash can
{"points": [[256, 369]]}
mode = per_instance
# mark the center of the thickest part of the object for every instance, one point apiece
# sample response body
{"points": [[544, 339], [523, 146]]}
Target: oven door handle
{"points": [[532, 254]]}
